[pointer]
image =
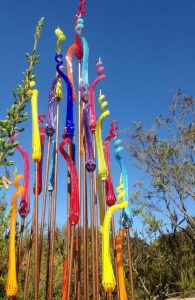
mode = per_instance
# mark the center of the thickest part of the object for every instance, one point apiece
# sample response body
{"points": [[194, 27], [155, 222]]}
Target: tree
{"points": [[166, 153], [163, 268], [15, 115]]}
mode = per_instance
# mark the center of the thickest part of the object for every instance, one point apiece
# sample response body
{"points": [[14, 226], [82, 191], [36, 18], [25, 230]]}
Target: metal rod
{"points": [[68, 211], [115, 261], [73, 257], [79, 186], [44, 202], [88, 285], [78, 267], [29, 256], [96, 249], [75, 275], [104, 196], [54, 203], [20, 245], [85, 234], [92, 235], [96, 224], [70, 262], [85, 231], [48, 240], [68, 196], [130, 265], [36, 231], [83, 183]]}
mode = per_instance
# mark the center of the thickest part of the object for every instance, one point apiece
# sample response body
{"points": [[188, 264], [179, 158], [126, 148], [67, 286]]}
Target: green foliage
{"points": [[161, 268], [15, 114], [164, 267], [4, 218], [166, 153], [4, 223]]}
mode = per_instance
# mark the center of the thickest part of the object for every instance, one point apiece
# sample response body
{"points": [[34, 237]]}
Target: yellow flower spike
{"points": [[32, 83], [36, 144], [119, 259], [102, 167], [60, 37], [12, 285], [108, 279]]}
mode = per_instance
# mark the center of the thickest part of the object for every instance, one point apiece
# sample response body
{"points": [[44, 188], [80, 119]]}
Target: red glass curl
{"points": [[24, 207], [110, 195], [100, 68], [79, 48], [74, 197]]}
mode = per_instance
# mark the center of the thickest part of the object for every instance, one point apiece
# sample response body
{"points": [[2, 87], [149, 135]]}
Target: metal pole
{"points": [[44, 203], [104, 196], [83, 182], [92, 235], [20, 244], [29, 256], [70, 262], [130, 265], [85, 234], [115, 261], [36, 229], [68, 210], [96, 224], [48, 240], [79, 186], [75, 274], [54, 203], [109, 296]]}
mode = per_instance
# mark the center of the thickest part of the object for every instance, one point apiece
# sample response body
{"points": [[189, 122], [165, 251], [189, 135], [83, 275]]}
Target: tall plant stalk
{"points": [[15, 114]]}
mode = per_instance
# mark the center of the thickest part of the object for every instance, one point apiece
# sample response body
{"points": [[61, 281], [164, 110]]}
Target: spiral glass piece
{"points": [[126, 217], [69, 125], [101, 76], [102, 167], [24, 207], [108, 278], [90, 159], [69, 53], [11, 284], [74, 197], [110, 195]]}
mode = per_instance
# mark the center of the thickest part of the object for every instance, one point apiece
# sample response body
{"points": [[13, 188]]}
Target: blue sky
{"points": [[147, 48]]}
